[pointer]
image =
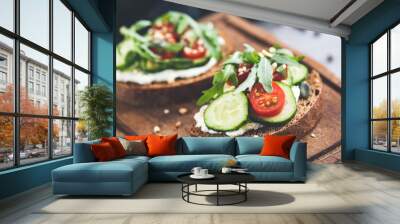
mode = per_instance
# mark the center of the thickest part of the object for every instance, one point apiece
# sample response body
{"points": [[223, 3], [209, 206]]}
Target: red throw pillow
{"points": [[275, 145], [116, 145], [103, 152], [161, 145]]}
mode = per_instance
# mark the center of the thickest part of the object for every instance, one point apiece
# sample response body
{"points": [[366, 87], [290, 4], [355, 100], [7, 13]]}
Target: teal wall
{"points": [[356, 86], [103, 54], [99, 15], [24, 178]]}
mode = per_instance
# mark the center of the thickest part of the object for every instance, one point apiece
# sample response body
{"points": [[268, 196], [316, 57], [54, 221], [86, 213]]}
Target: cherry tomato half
{"points": [[267, 104], [195, 52]]}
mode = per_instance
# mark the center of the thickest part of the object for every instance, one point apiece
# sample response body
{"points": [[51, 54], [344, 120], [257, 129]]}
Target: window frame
{"points": [[16, 114], [388, 74]]}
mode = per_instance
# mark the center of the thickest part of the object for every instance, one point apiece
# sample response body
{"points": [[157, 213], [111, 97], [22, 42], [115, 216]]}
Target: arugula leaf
{"points": [[235, 58], [209, 94], [264, 74], [234, 79], [219, 77], [251, 57], [229, 70], [141, 24], [218, 82], [230, 74], [249, 82], [147, 53], [182, 25], [171, 16], [299, 58], [211, 37], [131, 33], [284, 59], [171, 47], [285, 51]]}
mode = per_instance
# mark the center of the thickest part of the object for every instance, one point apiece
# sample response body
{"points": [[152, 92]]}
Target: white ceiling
{"points": [[319, 9], [325, 16]]}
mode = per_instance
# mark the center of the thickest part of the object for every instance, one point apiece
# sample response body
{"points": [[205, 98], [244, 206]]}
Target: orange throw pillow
{"points": [[103, 152], [161, 145], [116, 145], [275, 145]]}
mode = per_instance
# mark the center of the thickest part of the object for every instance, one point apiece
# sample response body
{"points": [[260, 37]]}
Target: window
{"points": [[81, 82], [3, 72], [37, 89], [7, 14], [30, 72], [44, 91], [62, 138], [3, 78], [30, 87], [3, 61], [34, 21], [62, 29], [62, 74], [40, 62], [6, 73], [81, 45], [3, 81], [33, 147], [6, 142], [38, 74], [44, 125], [385, 95]]}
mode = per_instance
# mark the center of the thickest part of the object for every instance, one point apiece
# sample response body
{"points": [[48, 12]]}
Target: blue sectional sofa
{"points": [[125, 176]]}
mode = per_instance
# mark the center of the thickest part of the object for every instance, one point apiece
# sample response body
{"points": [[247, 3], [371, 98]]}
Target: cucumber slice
{"points": [[297, 73], [289, 108], [228, 112]]}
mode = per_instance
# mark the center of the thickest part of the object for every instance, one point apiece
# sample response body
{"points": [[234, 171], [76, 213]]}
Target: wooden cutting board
{"points": [[141, 108]]}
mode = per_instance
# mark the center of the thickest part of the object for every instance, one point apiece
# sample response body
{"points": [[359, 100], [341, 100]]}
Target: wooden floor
{"points": [[379, 189]]}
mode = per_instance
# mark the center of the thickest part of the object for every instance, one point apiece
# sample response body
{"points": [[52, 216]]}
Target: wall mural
{"points": [[199, 73]]}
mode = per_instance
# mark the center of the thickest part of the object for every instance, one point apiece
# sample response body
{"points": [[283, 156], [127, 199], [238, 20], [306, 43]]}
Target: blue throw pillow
{"points": [[249, 145], [207, 145]]}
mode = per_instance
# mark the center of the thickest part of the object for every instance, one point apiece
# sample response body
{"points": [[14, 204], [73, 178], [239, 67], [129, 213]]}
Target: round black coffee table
{"points": [[238, 179]]}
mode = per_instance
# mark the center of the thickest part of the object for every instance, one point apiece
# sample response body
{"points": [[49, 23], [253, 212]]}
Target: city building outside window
{"points": [[56, 126]]}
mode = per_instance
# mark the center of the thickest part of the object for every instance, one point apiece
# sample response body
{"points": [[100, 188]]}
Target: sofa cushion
{"points": [[249, 145], [134, 147], [83, 152], [277, 145], [113, 171], [257, 163], [185, 163], [206, 145], [103, 152], [129, 159], [160, 145]]}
